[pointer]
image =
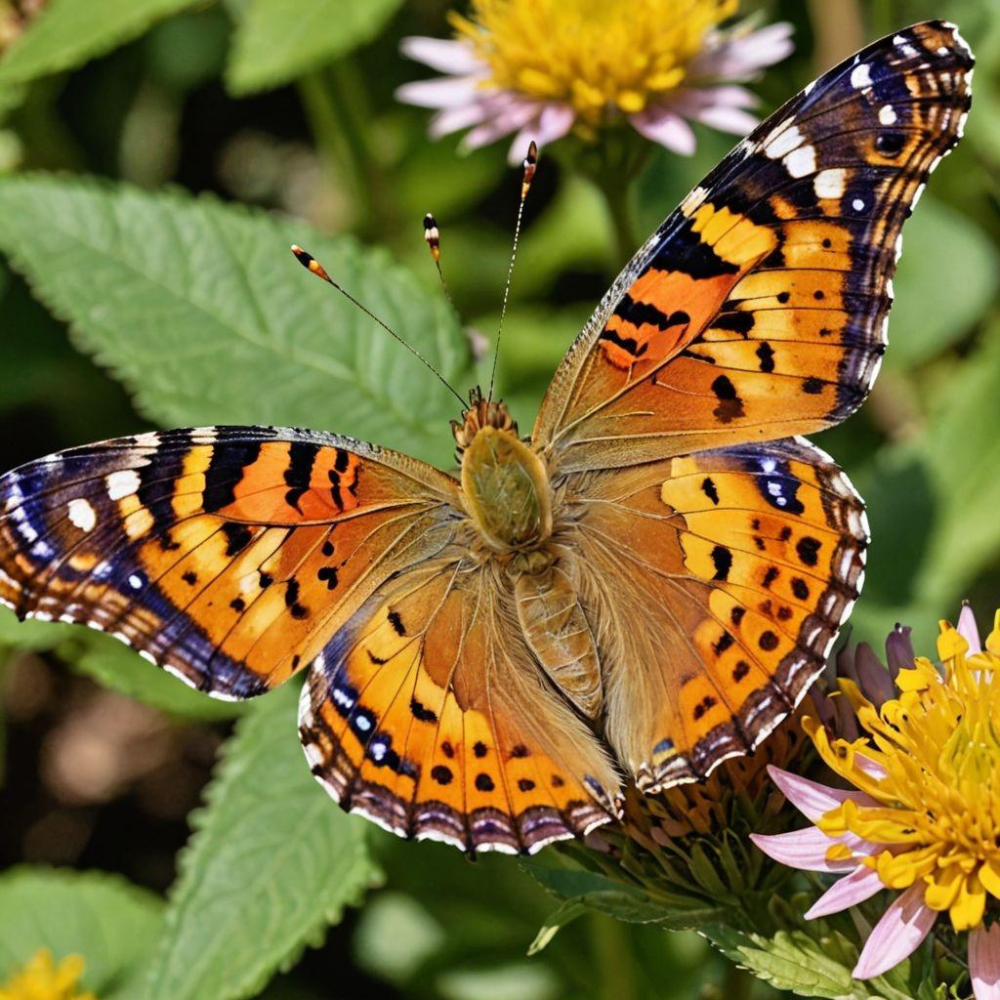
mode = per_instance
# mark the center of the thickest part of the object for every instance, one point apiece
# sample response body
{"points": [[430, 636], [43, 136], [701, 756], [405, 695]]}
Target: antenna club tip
{"points": [[429, 221], [296, 249], [533, 150]]}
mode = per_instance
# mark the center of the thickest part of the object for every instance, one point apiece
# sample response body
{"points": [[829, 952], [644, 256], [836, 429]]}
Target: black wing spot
{"points": [[328, 574], [396, 621], [770, 576], [766, 354], [238, 604], [890, 144], [480, 749], [730, 405], [783, 297], [740, 671], [813, 386], [768, 641], [736, 615], [800, 588], [484, 783], [808, 550], [190, 577], [703, 706], [725, 641], [422, 712], [442, 774], [708, 488], [722, 559], [525, 784], [238, 537]]}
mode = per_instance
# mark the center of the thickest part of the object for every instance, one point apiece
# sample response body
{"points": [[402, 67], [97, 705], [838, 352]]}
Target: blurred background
{"points": [[94, 779]]}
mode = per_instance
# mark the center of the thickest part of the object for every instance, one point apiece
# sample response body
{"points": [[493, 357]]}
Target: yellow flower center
{"points": [[42, 979], [592, 54], [938, 812]]}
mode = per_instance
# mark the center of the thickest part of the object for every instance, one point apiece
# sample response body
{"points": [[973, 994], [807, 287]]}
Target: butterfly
{"points": [[642, 589]]}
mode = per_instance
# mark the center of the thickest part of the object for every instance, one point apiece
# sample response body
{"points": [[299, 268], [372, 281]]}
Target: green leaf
{"points": [[202, 311], [119, 668], [791, 960], [70, 32], [32, 636], [103, 918], [943, 250], [569, 911], [272, 863], [280, 40]]}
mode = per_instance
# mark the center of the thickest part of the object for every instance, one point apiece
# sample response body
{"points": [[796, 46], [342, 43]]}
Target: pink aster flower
{"points": [[922, 817], [540, 68]]}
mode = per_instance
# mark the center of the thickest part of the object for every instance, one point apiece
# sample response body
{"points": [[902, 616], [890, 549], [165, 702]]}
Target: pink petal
{"points": [[737, 55], [803, 849], [553, 123], [872, 768], [984, 962], [812, 799], [969, 630], [445, 92], [666, 127], [855, 888], [509, 117], [444, 55], [731, 120], [897, 935], [454, 119]]}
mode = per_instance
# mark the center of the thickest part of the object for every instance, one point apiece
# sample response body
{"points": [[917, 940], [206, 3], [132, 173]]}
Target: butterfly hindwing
{"points": [[722, 579], [427, 714], [227, 555], [757, 310]]}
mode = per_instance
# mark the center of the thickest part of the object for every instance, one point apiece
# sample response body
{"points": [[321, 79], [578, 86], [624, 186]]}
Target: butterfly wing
{"points": [[230, 556], [725, 575], [427, 714], [757, 310]]}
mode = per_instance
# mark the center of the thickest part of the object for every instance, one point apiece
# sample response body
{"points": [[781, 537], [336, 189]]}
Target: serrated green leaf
{"points": [[942, 249], [272, 863], [202, 311], [278, 41], [789, 961], [108, 921], [119, 668], [68, 33]]}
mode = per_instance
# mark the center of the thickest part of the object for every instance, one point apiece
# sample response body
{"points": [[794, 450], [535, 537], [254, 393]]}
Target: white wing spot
{"points": [[135, 582], [861, 76], [858, 205], [830, 183], [122, 484], [782, 141], [801, 162], [82, 514], [887, 115]]}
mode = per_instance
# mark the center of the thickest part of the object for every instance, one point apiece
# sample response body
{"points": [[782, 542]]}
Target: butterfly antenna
{"points": [[530, 165], [432, 237], [315, 267]]}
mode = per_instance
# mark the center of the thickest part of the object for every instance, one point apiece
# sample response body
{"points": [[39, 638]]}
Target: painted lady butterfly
{"points": [[645, 587]]}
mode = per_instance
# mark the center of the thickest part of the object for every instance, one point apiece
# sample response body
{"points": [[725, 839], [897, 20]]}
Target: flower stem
{"points": [[613, 956]]}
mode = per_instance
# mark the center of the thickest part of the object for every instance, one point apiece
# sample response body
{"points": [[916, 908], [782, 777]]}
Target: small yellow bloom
{"points": [[42, 979], [931, 765], [591, 54]]}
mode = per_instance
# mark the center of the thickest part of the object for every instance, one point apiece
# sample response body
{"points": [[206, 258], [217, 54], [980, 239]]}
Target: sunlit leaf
{"points": [[279, 40], [103, 918], [202, 311], [273, 862], [68, 33]]}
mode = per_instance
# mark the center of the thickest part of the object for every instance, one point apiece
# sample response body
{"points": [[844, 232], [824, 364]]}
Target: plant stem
{"points": [[737, 985], [613, 957]]}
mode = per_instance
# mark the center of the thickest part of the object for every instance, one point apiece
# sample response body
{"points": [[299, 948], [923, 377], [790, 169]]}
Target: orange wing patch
{"points": [[725, 576], [757, 310], [426, 716]]}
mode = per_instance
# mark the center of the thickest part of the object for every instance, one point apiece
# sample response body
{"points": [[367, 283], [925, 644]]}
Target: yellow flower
{"points": [[591, 53], [42, 979], [923, 815], [932, 765], [543, 67]]}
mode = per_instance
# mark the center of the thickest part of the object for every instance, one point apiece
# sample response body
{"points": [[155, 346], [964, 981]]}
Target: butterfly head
{"points": [[504, 482]]}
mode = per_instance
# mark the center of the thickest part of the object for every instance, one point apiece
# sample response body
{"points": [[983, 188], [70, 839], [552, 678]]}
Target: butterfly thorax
{"points": [[505, 483]]}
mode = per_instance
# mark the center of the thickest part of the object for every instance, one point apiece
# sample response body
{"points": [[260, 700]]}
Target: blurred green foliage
{"points": [[139, 291]]}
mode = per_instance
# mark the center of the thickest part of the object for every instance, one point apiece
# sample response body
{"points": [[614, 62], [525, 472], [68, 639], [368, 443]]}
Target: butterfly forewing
{"points": [[757, 310], [228, 555]]}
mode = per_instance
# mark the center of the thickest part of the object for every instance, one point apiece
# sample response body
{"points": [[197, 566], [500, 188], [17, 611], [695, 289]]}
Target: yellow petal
{"points": [[970, 906], [943, 888], [989, 875]]}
